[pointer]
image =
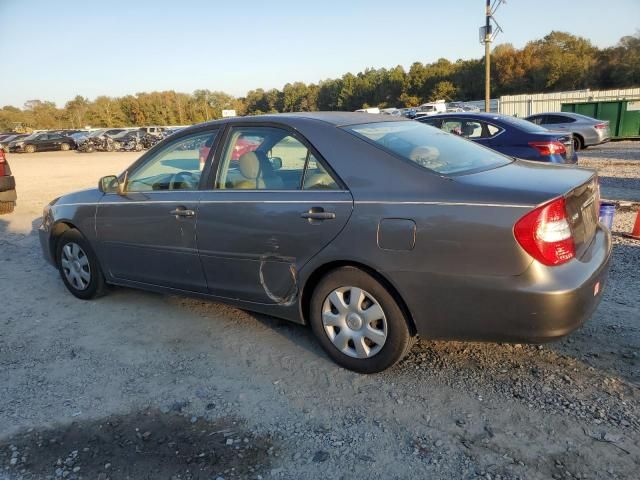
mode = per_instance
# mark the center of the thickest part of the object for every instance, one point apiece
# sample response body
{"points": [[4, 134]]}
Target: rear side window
{"points": [[553, 119], [430, 148]]}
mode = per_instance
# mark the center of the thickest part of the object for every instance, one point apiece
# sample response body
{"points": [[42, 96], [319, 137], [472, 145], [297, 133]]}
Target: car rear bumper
{"points": [[540, 305], [8, 189]]}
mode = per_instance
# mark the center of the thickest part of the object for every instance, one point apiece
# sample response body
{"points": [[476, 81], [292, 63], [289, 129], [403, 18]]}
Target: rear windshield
{"points": [[430, 147]]}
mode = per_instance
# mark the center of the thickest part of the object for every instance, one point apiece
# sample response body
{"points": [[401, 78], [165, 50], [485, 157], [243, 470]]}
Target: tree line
{"points": [[559, 61]]}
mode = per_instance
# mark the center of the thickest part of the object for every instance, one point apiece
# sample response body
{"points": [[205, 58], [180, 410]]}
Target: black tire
{"points": [[96, 285], [65, 146], [578, 143], [29, 148], [398, 336], [7, 207]]}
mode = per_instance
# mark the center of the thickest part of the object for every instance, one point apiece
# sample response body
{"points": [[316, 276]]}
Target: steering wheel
{"points": [[184, 181]]}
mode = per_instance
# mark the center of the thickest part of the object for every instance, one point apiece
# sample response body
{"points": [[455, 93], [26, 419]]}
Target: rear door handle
{"points": [[318, 213], [182, 212]]}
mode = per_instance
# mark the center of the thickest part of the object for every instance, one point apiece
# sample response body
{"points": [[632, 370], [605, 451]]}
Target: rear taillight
{"points": [[600, 126], [545, 234], [3, 164], [549, 148]]}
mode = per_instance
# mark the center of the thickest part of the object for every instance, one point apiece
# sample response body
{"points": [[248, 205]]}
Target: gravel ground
{"points": [[139, 385], [618, 165]]}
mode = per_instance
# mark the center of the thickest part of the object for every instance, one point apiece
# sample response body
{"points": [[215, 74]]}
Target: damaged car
{"points": [[371, 230]]}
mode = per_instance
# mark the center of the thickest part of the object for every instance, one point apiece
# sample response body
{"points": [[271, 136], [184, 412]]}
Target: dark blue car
{"points": [[511, 136]]}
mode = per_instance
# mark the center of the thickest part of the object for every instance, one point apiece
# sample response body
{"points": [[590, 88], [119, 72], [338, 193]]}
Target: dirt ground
{"points": [[139, 385]]}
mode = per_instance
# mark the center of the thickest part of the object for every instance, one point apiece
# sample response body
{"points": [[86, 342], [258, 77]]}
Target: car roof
{"points": [[477, 115], [333, 118], [568, 114]]}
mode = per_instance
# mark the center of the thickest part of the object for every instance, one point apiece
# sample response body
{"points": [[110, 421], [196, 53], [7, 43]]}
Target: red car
{"points": [[243, 145], [7, 186]]}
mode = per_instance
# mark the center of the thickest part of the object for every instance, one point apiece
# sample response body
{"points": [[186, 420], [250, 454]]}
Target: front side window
{"points": [[429, 148], [177, 166], [269, 158]]}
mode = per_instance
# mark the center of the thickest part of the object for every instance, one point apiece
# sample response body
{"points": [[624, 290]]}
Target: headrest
{"points": [[249, 165]]}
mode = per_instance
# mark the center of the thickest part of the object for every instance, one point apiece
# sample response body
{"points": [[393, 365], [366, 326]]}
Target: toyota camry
{"points": [[371, 229]]}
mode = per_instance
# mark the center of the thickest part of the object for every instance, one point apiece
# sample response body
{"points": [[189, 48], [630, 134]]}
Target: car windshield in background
{"points": [[524, 125], [429, 147]]}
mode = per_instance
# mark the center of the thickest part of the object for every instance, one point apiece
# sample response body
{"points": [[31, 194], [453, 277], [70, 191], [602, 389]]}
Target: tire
{"points": [[329, 322], [82, 286], [30, 149], [578, 143], [64, 147], [7, 207]]}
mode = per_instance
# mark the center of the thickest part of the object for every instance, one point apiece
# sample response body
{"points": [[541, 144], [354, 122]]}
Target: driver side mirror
{"points": [[109, 184]]}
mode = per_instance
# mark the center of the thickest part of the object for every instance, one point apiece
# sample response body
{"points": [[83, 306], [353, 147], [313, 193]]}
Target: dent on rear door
{"points": [[253, 243]]}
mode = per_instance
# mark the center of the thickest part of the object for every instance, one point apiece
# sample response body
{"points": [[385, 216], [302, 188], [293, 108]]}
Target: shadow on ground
{"points": [[143, 445]]}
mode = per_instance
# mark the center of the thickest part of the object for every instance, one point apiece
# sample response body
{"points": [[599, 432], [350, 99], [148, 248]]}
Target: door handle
{"points": [[182, 212], [318, 213]]}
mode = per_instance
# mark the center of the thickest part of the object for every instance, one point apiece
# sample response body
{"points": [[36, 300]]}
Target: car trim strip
{"points": [[361, 202], [454, 204]]}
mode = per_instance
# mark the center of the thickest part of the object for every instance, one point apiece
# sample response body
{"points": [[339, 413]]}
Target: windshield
{"points": [[430, 147], [522, 124]]}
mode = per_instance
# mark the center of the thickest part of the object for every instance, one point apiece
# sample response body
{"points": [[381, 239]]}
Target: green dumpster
{"points": [[623, 115]]}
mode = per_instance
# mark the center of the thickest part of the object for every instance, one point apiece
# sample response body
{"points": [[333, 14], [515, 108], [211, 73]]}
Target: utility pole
{"points": [[487, 58], [487, 34]]}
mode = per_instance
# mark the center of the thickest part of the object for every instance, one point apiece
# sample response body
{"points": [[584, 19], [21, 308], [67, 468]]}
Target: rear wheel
{"points": [[358, 322], [578, 143], [78, 266], [64, 147], [30, 148]]}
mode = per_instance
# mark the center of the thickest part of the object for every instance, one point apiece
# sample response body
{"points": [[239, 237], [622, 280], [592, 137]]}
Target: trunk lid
{"points": [[583, 205], [533, 183]]}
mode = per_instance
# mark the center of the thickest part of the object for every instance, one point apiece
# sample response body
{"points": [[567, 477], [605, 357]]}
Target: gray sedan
{"points": [[586, 131], [370, 229]]}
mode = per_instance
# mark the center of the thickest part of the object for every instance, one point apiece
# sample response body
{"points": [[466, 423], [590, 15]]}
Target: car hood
{"points": [[87, 196], [524, 182]]}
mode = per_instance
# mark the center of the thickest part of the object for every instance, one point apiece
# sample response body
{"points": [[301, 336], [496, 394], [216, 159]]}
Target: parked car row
{"points": [[584, 131], [119, 139], [511, 136]]}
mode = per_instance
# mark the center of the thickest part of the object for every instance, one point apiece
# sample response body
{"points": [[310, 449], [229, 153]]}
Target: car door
{"points": [[53, 141], [42, 142], [273, 204], [148, 234]]}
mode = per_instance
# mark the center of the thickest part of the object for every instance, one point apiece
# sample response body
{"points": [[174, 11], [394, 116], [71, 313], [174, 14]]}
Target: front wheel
{"points": [[358, 322], [30, 149], [64, 147], [78, 266]]}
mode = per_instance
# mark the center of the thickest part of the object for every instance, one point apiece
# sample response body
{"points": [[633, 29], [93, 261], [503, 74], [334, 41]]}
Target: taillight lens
{"points": [[545, 234], [601, 126], [549, 148]]}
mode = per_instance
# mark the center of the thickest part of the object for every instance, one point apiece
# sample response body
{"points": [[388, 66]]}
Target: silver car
{"points": [[586, 131]]}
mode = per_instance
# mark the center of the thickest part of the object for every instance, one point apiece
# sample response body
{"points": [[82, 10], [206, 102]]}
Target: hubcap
{"points": [[75, 266], [354, 322]]}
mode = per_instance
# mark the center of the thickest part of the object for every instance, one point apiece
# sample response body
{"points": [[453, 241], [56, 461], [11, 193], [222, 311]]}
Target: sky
{"points": [[55, 50]]}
